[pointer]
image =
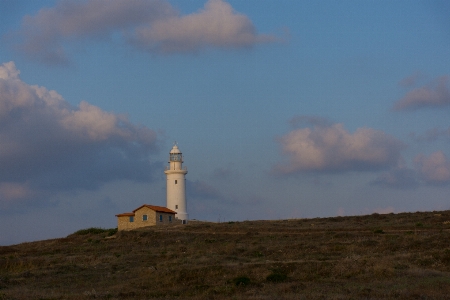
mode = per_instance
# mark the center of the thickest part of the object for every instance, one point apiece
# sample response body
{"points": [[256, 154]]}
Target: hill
{"points": [[394, 256]]}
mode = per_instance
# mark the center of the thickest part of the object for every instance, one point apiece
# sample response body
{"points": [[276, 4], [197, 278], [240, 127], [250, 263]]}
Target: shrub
{"points": [[445, 258], [112, 231], [380, 231], [276, 277], [241, 281], [401, 266], [95, 230], [369, 243], [258, 254]]}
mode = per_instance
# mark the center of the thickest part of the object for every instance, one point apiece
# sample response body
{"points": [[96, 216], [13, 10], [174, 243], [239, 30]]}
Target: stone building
{"points": [[145, 215]]}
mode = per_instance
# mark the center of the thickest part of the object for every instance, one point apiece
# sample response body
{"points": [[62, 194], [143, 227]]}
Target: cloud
{"points": [[435, 169], [333, 149], [435, 94], [431, 170], [217, 25], [43, 35], [154, 26], [340, 212], [398, 178], [49, 146], [12, 191], [411, 80], [431, 135]]}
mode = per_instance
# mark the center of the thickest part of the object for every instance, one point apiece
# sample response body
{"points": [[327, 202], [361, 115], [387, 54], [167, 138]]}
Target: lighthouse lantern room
{"points": [[176, 184]]}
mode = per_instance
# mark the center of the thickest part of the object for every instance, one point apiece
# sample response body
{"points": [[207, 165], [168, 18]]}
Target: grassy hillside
{"points": [[395, 256]]}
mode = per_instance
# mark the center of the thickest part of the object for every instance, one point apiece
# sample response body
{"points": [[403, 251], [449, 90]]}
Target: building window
{"points": [[144, 218], [160, 218], [131, 219], [170, 218], [176, 206], [176, 182]]}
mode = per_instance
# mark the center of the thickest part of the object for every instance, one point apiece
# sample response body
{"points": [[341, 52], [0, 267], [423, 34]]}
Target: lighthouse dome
{"points": [[175, 150]]}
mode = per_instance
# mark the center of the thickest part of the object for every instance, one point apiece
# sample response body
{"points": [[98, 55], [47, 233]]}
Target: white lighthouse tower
{"points": [[176, 184]]}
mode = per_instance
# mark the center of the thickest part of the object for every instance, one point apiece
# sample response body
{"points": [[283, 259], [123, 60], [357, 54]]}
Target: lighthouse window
{"points": [[160, 218], [176, 206], [175, 181], [144, 218]]}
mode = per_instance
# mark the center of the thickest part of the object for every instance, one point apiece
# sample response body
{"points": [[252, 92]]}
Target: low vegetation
{"points": [[394, 256], [95, 230]]}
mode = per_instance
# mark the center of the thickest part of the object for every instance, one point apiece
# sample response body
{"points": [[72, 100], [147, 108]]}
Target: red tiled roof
{"points": [[125, 215], [156, 208]]}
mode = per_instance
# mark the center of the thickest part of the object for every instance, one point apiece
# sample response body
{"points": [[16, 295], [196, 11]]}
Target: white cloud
{"points": [[431, 170], [217, 25], [435, 94], [333, 149], [434, 169], [91, 122], [46, 144], [43, 35], [9, 71], [155, 26]]}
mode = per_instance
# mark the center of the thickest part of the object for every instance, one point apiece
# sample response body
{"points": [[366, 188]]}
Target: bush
{"points": [[95, 230], [276, 277], [401, 267], [445, 258], [112, 231], [380, 231], [241, 281], [258, 254]]}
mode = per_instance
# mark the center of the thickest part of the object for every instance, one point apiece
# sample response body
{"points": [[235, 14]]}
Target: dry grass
{"points": [[395, 256]]}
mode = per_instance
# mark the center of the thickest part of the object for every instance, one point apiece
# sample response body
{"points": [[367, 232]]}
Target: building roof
{"points": [[153, 207], [156, 208], [125, 215]]}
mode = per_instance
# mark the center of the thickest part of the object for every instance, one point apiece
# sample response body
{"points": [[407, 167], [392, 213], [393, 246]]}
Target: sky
{"points": [[282, 109]]}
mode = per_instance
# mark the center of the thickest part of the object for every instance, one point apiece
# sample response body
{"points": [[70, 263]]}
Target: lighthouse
{"points": [[176, 184]]}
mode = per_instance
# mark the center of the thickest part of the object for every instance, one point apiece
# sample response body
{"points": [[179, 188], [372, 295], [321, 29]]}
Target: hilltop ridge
{"points": [[405, 255]]}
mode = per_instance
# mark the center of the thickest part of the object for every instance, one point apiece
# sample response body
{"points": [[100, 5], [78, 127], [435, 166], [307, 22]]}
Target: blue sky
{"points": [[282, 109]]}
